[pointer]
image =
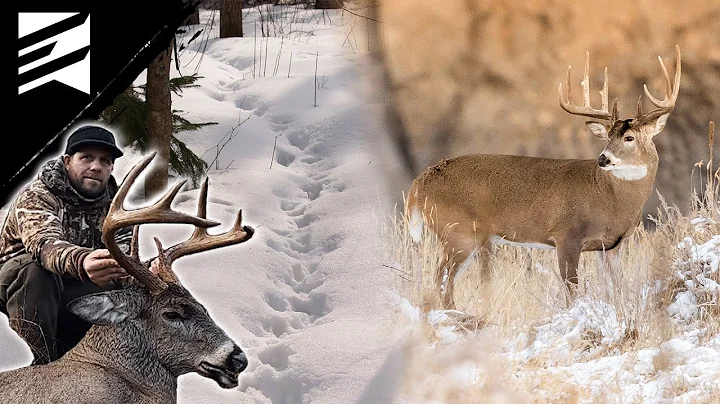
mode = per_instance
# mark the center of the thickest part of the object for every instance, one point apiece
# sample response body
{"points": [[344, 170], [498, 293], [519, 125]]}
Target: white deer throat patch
{"points": [[628, 172]]}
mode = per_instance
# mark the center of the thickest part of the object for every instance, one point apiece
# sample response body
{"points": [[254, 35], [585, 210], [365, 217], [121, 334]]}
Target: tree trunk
{"points": [[328, 4], [231, 18], [159, 121]]}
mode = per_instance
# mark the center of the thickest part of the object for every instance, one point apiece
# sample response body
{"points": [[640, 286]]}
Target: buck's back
{"points": [[71, 382]]}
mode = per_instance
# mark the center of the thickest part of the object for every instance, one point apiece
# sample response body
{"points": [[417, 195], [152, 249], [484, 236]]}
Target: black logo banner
{"points": [[74, 58]]}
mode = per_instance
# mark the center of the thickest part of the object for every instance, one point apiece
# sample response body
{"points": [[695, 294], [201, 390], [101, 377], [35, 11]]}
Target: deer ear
{"points": [[106, 308], [597, 129], [659, 124]]}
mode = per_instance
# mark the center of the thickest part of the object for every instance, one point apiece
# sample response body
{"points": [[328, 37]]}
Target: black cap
{"points": [[91, 135]]}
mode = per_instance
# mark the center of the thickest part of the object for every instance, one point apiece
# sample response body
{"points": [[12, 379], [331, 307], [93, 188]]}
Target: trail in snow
{"points": [[307, 297]]}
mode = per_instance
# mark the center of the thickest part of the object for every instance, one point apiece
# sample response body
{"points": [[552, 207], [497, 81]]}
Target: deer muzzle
{"points": [[226, 369]]}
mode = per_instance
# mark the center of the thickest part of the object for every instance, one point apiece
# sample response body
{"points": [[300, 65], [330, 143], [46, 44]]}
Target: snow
{"points": [[581, 346], [307, 297], [569, 329]]}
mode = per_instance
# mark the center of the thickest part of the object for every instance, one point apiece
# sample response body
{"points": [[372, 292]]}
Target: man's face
{"points": [[89, 170]]}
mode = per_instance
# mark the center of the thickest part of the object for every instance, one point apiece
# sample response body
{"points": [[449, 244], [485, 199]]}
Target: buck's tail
{"points": [[414, 216]]}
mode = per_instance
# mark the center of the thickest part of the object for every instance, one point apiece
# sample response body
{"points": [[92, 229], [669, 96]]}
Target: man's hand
{"points": [[155, 266], [101, 268]]}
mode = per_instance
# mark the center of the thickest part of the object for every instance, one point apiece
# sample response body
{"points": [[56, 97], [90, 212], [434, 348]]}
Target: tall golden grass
{"points": [[525, 291]]}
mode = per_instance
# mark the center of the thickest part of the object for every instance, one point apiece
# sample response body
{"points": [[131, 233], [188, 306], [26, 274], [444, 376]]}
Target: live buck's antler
{"points": [[586, 110], [671, 93], [161, 212]]}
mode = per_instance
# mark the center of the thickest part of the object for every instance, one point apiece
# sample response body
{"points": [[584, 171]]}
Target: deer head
{"points": [[155, 312], [630, 151]]}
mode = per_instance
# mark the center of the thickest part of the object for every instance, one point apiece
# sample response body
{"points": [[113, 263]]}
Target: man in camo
{"points": [[51, 249]]}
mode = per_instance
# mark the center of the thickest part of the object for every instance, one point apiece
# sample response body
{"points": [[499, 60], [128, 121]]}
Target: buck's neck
{"points": [[125, 353], [631, 185]]}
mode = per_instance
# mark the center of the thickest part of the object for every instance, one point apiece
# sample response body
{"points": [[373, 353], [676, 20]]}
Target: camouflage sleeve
{"points": [[123, 238], [41, 231]]}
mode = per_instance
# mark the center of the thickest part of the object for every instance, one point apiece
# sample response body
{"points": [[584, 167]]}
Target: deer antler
{"points": [[160, 212], [586, 110], [671, 93], [200, 240]]}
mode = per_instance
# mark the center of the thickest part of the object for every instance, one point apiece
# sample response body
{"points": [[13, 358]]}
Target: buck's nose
{"points": [[603, 160], [238, 360]]}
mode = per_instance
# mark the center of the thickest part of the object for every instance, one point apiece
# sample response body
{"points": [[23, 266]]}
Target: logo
{"points": [[54, 46]]}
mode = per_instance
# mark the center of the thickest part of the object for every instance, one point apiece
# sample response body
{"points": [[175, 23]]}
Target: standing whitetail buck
{"points": [[145, 335], [475, 200]]}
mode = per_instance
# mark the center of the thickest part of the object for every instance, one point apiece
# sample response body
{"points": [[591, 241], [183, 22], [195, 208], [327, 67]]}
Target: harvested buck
{"points": [[145, 335], [475, 200]]}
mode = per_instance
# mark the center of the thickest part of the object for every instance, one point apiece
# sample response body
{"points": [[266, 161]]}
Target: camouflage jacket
{"points": [[57, 226]]}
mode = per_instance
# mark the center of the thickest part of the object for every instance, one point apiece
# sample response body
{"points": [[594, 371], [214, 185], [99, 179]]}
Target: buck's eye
{"points": [[629, 138], [172, 315]]}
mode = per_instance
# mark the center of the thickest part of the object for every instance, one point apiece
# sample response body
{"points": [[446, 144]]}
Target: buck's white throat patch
{"points": [[628, 172]]}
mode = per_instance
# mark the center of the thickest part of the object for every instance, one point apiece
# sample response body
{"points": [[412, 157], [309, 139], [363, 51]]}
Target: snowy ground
{"points": [[579, 355], [307, 297]]}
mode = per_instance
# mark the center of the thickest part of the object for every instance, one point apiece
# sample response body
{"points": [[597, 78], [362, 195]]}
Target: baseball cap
{"points": [[92, 135]]}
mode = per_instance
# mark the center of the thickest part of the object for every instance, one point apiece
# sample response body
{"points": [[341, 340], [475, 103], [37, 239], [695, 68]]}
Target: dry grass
{"points": [[525, 292], [450, 374]]}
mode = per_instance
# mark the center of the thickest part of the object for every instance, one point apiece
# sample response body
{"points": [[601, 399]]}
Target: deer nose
{"points": [[603, 160], [238, 359]]}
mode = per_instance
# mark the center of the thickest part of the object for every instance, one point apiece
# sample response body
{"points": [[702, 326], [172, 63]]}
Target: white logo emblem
{"points": [[53, 49]]}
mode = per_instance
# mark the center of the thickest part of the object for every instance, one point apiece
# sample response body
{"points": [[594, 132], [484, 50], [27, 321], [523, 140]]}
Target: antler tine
{"points": [[134, 243], [585, 83], [672, 90], [160, 212], [614, 117], [585, 109], [165, 273], [202, 241]]}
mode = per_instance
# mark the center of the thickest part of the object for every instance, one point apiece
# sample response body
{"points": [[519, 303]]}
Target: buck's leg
{"points": [[568, 260], [609, 260], [459, 256], [485, 259]]}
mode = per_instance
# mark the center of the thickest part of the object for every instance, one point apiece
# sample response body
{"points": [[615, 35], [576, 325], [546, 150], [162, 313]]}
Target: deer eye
{"points": [[172, 315], [629, 138]]}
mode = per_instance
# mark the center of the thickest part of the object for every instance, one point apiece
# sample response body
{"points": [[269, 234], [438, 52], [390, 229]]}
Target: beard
{"points": [[88, 189]]}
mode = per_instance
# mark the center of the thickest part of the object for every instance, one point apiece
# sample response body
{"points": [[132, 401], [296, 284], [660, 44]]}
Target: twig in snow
{"points": [[342, 6], [398, 270], [273, 153], [316, 66], [254, 48], [266, 56], [348, 37], [261, 56], [277, 60], [290, 64], [321, 85], [220, 146]]}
